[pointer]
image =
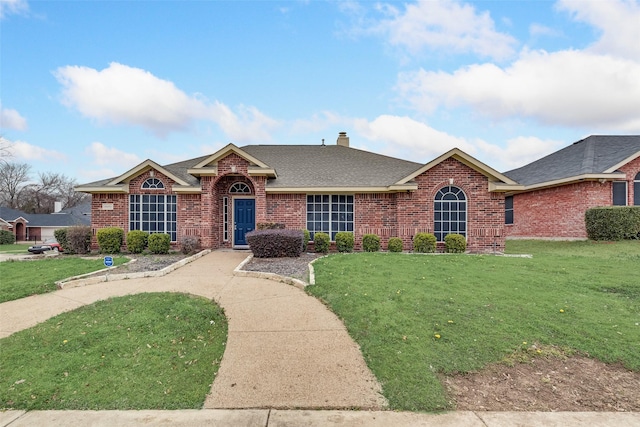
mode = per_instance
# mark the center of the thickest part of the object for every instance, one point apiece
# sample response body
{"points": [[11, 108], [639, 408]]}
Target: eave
{"points": [[601, 177], [112, 189]]}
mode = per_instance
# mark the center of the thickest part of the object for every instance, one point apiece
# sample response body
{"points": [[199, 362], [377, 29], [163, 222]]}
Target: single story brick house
{"points": [[559, 188], [39, 227], [220, 197]]}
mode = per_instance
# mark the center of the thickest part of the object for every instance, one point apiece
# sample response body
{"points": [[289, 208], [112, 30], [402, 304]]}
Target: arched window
{"points": [[240, 188], [152, 184], [449, 212], [636, 190]]}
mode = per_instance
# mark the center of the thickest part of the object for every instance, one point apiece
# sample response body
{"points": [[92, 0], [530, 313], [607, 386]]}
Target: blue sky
{"points": [[92, 88]]}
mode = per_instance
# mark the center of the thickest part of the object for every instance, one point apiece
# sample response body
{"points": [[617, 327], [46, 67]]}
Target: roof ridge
{"points": [[588, 157]]}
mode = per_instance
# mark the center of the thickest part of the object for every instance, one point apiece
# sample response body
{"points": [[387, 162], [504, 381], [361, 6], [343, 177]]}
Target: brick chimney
{"points": [[343, 139]]}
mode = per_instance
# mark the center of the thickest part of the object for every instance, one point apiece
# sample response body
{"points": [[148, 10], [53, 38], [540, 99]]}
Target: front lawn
{"points": [[16, 248], [23, 278], [146, 351], [418, 315]]}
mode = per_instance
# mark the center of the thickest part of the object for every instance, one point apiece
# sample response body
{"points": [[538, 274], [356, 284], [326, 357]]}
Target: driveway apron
{"points": [[284, 348]]}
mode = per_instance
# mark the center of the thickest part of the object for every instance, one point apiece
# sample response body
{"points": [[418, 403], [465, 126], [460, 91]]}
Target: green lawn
{"points": [[20, 279], [18, 248], [418, 315], [146, 351]]}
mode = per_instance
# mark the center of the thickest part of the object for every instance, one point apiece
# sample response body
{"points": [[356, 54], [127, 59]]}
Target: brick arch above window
{"points": [[152, 184]]}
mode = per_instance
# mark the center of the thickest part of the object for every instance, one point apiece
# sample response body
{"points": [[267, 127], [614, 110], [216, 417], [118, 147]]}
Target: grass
{"points": [[415, 316], [146, 351], [23, 278], [17, 248]]}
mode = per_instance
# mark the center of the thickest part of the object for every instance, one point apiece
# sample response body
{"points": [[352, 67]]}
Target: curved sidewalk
{"points": [[285, 349]]}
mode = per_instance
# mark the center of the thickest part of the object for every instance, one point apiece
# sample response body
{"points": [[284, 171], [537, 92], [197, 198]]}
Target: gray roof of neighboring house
{"points": [[61, 219], [592, 155], [329, 166]]}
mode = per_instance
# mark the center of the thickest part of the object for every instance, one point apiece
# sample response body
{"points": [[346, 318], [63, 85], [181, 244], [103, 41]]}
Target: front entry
{"points": [[244, 218]]}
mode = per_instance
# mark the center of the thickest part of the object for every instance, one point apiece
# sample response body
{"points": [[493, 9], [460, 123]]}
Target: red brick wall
{"points": [[288, 209], [558, 212]]}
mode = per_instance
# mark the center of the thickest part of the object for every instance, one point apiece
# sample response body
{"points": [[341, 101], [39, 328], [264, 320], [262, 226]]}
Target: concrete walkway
{"points": [[284, 348], [285, 351]]}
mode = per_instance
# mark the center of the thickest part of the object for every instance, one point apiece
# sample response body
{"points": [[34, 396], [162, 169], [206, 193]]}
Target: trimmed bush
{"points": [[61, 236], [275, 243], [424, 243], [78, 239], [110, 239], [7, 237], [306, 237], [344, 241], [137, 241], [321, 242], [613, 223], [371, 243], [395, 244], [189, 245], [455, 243], [270, 226], [159, 243]]}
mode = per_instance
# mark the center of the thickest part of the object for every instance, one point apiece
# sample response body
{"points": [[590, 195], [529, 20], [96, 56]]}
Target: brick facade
{"points": [[399, 214], [558, 212]]}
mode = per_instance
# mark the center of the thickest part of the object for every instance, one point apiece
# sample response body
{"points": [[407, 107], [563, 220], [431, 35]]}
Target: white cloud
{"points": [[126, 95], [21, 150], [444, 25], [13, 6], [617, 20], [570, 88], [537, 30], [102, 155], [410, 139], [317, 122], [11, 119]]}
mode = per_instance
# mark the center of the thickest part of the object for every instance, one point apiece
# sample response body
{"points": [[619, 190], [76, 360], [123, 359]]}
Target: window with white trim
{"points": [[636, 190], [619, 189], [153, 213], [152, 184], [449, 212], [239, 188], [329, 213]]}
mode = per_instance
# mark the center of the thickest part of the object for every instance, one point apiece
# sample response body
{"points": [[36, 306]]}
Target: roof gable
{"points": [[493, 175]]}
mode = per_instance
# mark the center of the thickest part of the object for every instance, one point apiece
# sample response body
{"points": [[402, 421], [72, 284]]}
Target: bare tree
{"points": [[14, 179], [5, 150], [51, 187]]}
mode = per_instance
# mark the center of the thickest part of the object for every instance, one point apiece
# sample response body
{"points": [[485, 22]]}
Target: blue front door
{"points": [[244, 216]]}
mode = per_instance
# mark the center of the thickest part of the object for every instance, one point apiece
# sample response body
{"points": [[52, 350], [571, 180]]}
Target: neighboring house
{"points": [[328, 188], [38, 227], [559, 188]]}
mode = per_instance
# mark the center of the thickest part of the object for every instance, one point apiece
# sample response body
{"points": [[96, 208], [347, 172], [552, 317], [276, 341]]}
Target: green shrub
{"points": [[189, 245], [137, 241], [78, 239], [110, 239], [61, 237], [344, 241], [395, 244], [613, 223], [275, 243], [321, 242], [306, 237], [371, 243], [424, 243], [159, 243], [7, 237], [455, 243]]}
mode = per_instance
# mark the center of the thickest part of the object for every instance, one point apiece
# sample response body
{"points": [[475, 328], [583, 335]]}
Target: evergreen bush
{"points": [[395, 244], [159, 243], [137, 241], [344, 241], [110, 239], [455, 243], [7, 237], [275, 243], [613, 223], [424, 243], [321, 242], [371, 243]]}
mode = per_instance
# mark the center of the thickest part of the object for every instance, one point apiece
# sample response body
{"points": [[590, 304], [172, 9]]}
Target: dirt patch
{"points": [[546, 383], [296, 267]]}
